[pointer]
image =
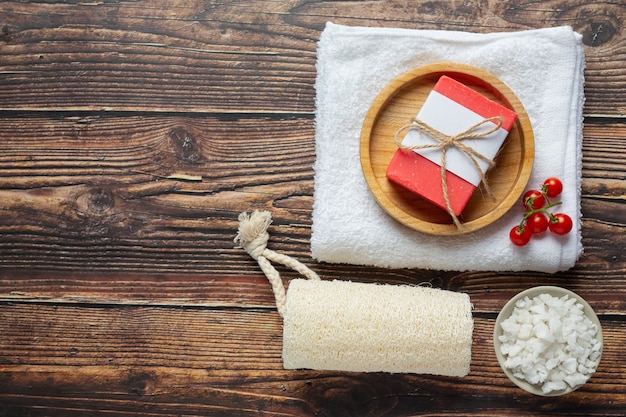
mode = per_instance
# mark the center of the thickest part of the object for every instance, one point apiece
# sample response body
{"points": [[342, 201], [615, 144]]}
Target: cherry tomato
{"points": [[561, 224], [520, 235], [537, 223], [552, 187], [533, 200]]}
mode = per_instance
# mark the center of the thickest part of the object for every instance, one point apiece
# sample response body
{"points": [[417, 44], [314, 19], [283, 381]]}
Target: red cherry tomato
{"points": [[561, 224], [552, 187], [537, 223], [533, 200], [520, 235]]}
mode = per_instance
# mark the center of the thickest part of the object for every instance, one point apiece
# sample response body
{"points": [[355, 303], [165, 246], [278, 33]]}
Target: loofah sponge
{"points": [[347, 326]]}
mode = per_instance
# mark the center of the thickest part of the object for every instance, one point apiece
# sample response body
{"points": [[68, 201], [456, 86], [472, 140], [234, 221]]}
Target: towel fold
{"points": [[543, 67]]}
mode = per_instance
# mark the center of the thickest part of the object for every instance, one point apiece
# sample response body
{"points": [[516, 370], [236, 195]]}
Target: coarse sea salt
{"points": [[548, 341]]}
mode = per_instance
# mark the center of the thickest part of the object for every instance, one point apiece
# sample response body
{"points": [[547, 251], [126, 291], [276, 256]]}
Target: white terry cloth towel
{"points": [[543, 67]]}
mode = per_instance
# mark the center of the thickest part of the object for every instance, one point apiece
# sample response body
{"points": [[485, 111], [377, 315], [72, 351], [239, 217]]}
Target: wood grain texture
{"points": [[247, 56], [133, 133], [74, 214], [146, 359]]}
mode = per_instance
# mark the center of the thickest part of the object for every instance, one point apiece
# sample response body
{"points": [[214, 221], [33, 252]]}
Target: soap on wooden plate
{"points": [[451, 108], [397, 104]]}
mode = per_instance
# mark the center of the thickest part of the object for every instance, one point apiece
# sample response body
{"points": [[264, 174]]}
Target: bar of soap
{"points": [[451, 107]]}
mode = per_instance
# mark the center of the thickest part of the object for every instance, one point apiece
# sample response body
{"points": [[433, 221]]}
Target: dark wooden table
{"points": [[133, 133]]}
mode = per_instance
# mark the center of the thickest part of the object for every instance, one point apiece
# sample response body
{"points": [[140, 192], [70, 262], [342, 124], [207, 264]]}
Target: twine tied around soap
{"points": [[444, 142], [253, 237]]}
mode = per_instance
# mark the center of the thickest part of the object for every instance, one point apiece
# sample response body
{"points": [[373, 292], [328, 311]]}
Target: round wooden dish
{"points": [[397, 105]]}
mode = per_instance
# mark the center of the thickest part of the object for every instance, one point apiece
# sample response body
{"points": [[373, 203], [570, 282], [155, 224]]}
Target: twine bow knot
{"points": [[444, 142]]}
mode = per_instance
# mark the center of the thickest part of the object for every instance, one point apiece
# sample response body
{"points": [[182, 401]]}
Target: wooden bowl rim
{"points": [[509, 99]]}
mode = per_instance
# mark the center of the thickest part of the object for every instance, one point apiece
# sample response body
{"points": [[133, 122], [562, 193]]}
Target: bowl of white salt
{"points": [[548, 340]]}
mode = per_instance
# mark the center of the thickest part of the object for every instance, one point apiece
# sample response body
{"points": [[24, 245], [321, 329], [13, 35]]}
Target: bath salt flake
{"points": [[549, 341]]}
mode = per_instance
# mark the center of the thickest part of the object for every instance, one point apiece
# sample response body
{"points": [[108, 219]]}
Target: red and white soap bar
{"points": [[451, 108]]}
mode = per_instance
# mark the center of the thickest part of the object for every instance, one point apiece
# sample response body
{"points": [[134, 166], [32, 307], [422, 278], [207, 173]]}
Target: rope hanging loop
{"points": [[253, 236]]}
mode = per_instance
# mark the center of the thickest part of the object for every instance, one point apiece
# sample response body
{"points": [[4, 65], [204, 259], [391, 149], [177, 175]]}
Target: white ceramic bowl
{"points": [[506, 312]]}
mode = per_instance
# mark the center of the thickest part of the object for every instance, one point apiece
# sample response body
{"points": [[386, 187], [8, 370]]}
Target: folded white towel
{"points": [[544, 68]]}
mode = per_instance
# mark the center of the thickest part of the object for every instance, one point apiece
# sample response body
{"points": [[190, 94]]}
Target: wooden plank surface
{"points": [[133, 133], [232, 56], [146, 359]]}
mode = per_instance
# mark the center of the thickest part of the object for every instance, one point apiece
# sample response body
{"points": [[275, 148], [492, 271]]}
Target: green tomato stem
{"points": [[544, 209], [529, 205]]}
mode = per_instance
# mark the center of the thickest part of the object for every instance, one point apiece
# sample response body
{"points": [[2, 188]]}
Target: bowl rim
{"points": [[506, 313]]}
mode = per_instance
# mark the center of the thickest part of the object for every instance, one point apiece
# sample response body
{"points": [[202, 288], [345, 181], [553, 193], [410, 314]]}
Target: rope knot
{"points": [[253, 237], [252, 234]]}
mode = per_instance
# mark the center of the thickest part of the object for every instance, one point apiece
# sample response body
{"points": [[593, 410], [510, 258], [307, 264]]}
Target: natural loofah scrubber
{"points": [[348, 326]]}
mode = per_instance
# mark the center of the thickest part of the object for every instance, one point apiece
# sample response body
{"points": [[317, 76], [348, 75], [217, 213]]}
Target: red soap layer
{"points": [[421, 176], [474, 101]]}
